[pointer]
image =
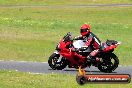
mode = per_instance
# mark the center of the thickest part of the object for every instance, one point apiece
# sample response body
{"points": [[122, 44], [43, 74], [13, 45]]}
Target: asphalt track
{"points": [[65, 6], [43, 68]]}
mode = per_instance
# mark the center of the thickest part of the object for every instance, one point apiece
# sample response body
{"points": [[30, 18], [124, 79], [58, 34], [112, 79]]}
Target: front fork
{"points": [[60, 56], [56, 52]]}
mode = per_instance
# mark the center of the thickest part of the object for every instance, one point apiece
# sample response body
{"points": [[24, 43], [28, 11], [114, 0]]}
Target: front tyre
{"points": [[56, 62], [110, 63]]}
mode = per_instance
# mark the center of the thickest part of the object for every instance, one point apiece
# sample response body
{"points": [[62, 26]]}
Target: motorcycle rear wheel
{"points": [[107, 65], [54, 64]]}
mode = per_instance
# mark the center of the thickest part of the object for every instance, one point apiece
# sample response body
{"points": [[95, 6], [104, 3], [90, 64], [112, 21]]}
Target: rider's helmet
{"points": [[85, 29]]}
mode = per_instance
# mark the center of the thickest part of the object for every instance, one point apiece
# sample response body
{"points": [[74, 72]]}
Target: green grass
{"points": [[12, 79], [62, 2], [31, 34]]}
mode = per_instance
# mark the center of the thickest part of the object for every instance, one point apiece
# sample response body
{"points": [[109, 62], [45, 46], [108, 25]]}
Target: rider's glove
{"points": [[83, 48], [76, 38]]}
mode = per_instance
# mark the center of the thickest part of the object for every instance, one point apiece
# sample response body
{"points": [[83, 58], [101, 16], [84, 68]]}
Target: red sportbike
{"points": [[105, 60]]}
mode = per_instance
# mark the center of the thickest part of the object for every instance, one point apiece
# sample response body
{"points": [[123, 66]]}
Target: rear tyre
{"points": [[56, 62], [109, 64]]}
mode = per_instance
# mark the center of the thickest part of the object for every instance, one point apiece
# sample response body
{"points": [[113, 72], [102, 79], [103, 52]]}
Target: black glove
{"points": [[82, 48], [78, 38]]}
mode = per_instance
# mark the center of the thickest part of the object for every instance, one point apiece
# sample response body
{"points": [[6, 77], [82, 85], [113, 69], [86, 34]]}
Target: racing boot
{"points": [[89, 58]]}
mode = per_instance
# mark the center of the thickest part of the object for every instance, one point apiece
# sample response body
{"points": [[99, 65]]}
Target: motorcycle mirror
{"points": [[69, 33]]}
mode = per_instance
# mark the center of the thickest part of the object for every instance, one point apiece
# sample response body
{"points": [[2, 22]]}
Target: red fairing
{"points": [[110, 48], [63, 46], [64, 51], [71, 56]]}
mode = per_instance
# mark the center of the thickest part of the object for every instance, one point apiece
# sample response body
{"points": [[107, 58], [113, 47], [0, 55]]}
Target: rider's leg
{"points": [[92, 54]]}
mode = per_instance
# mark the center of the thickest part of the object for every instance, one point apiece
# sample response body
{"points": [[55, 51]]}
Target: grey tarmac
{"points": [[43, 68]]}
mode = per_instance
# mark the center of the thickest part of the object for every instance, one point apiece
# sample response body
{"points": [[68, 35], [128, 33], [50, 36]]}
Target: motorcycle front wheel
{"points": [[56, 62]]}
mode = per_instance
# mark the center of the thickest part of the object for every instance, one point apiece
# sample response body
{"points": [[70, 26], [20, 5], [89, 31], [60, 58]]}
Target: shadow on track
{"points": [[76, 71]]}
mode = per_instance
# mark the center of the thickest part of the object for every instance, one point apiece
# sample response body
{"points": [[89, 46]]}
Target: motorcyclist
{"points": [[90, 40]]}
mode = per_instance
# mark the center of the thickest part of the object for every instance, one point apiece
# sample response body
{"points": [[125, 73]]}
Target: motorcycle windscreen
{"points": [[78, 44]]}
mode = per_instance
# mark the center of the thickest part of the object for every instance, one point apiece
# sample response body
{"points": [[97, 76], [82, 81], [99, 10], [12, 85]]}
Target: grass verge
{"points": [[31, 34], [12, 79]]}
